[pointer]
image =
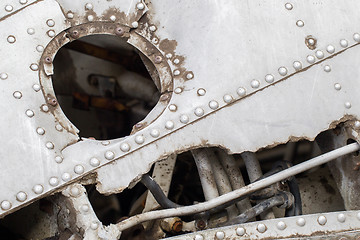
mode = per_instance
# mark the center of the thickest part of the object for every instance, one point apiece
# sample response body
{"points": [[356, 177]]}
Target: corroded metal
{"points": [[223, 82]]}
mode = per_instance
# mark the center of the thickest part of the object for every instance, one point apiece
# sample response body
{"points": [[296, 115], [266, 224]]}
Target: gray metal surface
{"points": [[225, 83]]}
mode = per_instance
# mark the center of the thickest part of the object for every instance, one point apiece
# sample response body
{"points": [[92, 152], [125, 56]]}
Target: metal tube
{"points": [[222, 181], [235, 177], [207, 179], [258, 209], [254, 171], [236, 194]]}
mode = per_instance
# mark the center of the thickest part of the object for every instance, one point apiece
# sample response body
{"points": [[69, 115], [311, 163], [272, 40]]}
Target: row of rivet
{"points": [[184, 119], [53, 181], [31, 31], [281, 225]]}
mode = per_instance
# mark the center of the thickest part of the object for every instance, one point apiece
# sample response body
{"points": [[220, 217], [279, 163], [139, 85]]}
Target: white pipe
{"points": [[205, 206]]}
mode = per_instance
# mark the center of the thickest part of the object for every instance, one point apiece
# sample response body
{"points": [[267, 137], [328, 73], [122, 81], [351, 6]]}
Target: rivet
{"points": [[330, 49], [39, 48], [79, 169], [299, 23], [109, 155], [337, 86], [184, 119], [164, 97], [199, 112], [178, 90], [90, 18], [282, 71], [153, 29], [176, 72], [70, 15], [327, 68], [29, 113], [227, 98], [23, 1], [125, 147], [261, 228], [105, 143], [8, 8], [281, 225], [255, 83], [119, 31], [343, 43], [356, 37], [357, 124], [50, 22], [288, 6], [45, 108], [169, 125], [21, 196], [139, 125], [168, 55], [94, 225], [88, 6], [3, 76], [240, 231], [59, 159], [134, 24], [113, 18], [30, 31], [58, 127], [155, 133], [36, 87], [140, 6], [301, 222], [176, 61], [75, 191], [172, 107], [51, 33], [53, 181], [17, 94], [11, 39], [52, 101], [341, 217], [40, 131], [319, 54], [139, 139], [311, 42], [269, 78], [198, 237], [310, 59], [94, 162], [85, 208], [358, 216], [297, 65], [220, 235], [347, 105], [49, 145], [189, 76], [322, 220], [66, 177], [34, 67], [5, 205], [213, 104], [201, 92], [158, 59], [38, 189], [48, 60]]}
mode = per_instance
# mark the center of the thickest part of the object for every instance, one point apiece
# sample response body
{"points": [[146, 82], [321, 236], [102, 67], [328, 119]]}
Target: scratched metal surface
{"points": [[213, 67]]}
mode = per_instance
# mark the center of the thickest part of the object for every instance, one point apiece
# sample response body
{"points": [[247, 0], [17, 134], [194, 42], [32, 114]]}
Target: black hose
{"points": [[259, 208], [296, 208], [157, 192]]}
